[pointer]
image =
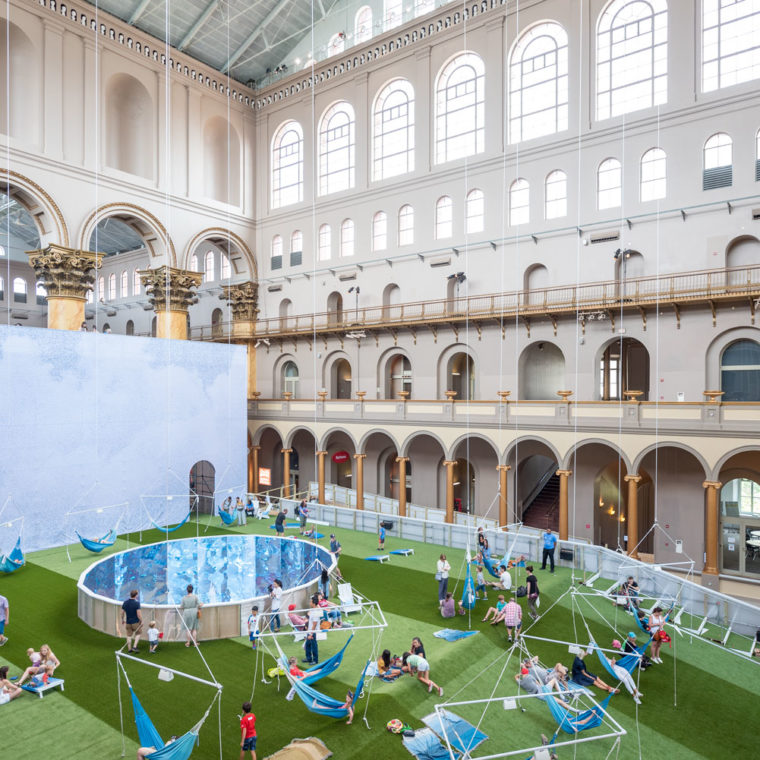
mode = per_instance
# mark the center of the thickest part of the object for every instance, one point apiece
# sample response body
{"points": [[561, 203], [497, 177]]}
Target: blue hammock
{"points": [[227, 518], [13, 561], [574, 723], [629, 662], [97, 546], [317, 702], [489, 564], [176, 527], [180, 749], [468, 593], [326, 668]]}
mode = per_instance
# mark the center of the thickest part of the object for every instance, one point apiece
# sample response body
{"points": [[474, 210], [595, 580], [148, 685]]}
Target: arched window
{"points": [[112, 286], [363, 25], [555, 202], [101, 288], [136, 285], [336, 149], [226, 270], [609, 179], [718, 158], [325, 242], [90, 297], [2, 289], [41, 293], [296, 242], [208, 266], [730, 53], [19, 290], [276, 257], [460, 109], [337, 44], [474, 211], [347, 238], [124, 284], [740, 371], [653, 175], [406, 225], [444, 218], [393, 13], [130, 329], [519, 202], [631, 57], [287, 165], [538, 72], [380, 231], [290, 378], [194, 263], [393, 130]]}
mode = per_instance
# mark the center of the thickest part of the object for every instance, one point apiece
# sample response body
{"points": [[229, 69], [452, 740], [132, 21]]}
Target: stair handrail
{"points": [[542, 481]]}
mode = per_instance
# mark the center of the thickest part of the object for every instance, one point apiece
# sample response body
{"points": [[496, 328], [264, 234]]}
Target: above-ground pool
{"points": [[229, 574]]}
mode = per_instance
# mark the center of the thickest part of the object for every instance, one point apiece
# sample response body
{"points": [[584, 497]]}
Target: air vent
{"points": [[720, 176], [441, 261], [604, 237], [275, 288]]}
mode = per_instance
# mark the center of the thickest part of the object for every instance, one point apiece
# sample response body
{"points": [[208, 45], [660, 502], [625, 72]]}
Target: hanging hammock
{"points": [[629, 662], [227, 518], [9, 563], [176, 527], [99, 544], [468, 593], [326, 668], [573, 724]]}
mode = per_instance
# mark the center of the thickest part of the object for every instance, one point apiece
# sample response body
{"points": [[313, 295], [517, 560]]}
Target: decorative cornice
{"points": [[170, 289], [65, 272], [244, 300]]}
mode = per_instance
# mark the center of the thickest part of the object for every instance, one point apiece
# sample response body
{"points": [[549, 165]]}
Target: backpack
{"points": [[298, 510], [521, 591]]}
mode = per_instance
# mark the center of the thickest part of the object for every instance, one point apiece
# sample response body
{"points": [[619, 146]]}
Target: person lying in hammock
{"points": [[296, 672], [584, 678], [144, 752]]}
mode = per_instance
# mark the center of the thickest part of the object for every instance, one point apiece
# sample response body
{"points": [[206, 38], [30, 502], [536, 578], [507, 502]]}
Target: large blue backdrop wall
{"points": [[91, 420]]}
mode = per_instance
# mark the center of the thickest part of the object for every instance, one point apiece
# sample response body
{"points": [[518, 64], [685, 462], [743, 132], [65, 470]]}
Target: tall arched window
{"points": [[19, 290], [226, 270], [325, 242], [337, 44], [276, 257], [290, 378], [347, 238], [730, 53], [136, 285], [519, 202], [609, 187], [474, 211], [460, 109], [296, 242], [363, 25], [444, 218], [393, 13], [41, 293], [208, 267], [336, 149], [195, 264], [393, 130], [101, 288], [124, 284], [2, 289], [538, 72], [631, 57], [380, 231], [555, 192], [112, 286], [406, 225], [740, 371], [718, 158], [287, 165], [653, 175]]}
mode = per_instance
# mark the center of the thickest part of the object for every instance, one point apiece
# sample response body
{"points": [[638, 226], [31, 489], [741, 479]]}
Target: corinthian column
{"points": [[244, 302], [67, 275], [171, 291]]}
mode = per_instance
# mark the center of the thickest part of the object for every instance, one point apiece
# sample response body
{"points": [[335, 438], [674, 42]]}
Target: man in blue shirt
{"points": [[550, 541]]}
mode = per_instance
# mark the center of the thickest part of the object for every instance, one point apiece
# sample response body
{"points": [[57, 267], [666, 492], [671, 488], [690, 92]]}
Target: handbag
{"points": [[439, 576]]}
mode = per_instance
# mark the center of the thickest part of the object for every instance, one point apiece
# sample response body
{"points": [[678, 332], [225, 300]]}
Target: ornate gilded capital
{"points": [[65, 272], [244, 300], [177, 284]]}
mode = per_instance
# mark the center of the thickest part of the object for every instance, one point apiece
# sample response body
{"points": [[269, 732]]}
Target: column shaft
{"points": [[321, 476], [503, 503], [402, 485], [632, 503], [255, 481], [359, 480], [449, 465], [564, 475], [286, 472], [711, 527]]}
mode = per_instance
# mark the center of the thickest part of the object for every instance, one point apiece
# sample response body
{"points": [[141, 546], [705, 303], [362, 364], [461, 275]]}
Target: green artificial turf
{"points": [[700, 704]]}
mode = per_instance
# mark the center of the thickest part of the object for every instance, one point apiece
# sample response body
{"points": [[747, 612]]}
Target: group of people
{"points": [[131, 618], [413, 662], [43, 665]]}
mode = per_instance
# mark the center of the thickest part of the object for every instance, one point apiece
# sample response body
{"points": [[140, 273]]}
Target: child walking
{"points": [[480, 583], [253, 626], [153, 636]]}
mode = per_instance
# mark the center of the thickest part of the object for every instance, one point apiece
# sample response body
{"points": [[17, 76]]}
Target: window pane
{"points": [[406, 225], [653, 177], [475, 211], [363, 25], [380, 231], [226, 270], [276, 246], [718, 151], [556, 195], [609, 188], [136, 279], [325, 242], [347, 238], [443, 218], [393, 131], [287, 165], [208, 267], [336, 149], [296, 242], [519, 202]]}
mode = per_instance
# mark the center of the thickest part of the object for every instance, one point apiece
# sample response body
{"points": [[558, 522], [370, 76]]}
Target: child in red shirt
{"points": [[248, 732]]}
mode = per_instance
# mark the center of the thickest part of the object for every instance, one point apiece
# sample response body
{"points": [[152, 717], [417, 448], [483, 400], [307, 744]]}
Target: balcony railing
{"points": [[709, 285]]}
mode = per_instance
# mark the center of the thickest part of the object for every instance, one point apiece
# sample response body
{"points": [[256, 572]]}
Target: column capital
{"points": [[503, 467], [565, 473], [402, 459], [170, 289], [321, 453], [360, 456], [632, 478], [449, 462], [286, 451], [65, 272], [712, 484], [243, 299], [255, 447]]}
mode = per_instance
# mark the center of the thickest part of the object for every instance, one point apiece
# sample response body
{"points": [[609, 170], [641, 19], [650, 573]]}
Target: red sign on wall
{"points": [[265, 476], [341, 456]]}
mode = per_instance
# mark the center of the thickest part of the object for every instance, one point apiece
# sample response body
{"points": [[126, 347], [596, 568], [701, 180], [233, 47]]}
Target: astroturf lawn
{"points": [[701, 703]]}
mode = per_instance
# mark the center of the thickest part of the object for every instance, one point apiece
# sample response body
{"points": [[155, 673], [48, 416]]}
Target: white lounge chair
{"points": [[349, 602]]}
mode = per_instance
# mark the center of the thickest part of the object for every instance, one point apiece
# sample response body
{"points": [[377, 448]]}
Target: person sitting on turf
{"points": [[417, 647], [386, 667], [497, 612], [583, 678], [449, 607], [297, 621], [504, 582], [8, 690], [144, 752]]}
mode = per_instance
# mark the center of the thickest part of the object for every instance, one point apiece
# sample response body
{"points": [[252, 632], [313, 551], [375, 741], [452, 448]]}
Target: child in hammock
{"points": [[349, 705]]}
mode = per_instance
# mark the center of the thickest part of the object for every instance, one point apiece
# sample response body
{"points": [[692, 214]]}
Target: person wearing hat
{"points": [[297, 621], [629, 647]]}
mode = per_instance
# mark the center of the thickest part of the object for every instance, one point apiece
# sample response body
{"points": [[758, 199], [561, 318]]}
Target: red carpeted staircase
{"points": [[543, 511]]}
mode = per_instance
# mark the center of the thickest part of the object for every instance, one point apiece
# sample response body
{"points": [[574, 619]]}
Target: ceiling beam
{"points": [[197, 24], [137, 12]]}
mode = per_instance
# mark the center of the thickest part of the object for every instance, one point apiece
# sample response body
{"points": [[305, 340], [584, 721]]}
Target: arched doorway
{"points": [[340, 379], [623, 366], [335, 308], [461, 376], [541, 371], [216, 323], [398, 376], [428, 483], [203, 484], [740, 371], [464, 486], [302, 460], [476, 480], [340, 451], [534, 492]]}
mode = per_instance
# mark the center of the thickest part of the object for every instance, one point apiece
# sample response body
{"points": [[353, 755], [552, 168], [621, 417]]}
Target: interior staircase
{"points": [[543, 511]]}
